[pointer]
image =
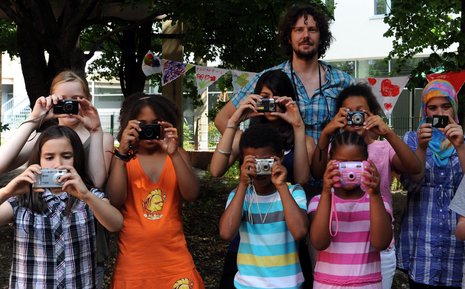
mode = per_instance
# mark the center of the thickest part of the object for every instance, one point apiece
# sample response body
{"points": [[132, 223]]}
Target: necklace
{"points": [[255, 199]]}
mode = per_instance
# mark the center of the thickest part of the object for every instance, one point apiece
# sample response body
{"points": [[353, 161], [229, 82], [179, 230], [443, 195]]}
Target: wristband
{"points": [[124, 158]]}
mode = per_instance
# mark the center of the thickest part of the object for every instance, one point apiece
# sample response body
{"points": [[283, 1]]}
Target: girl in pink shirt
{"points": [[350, 221]]}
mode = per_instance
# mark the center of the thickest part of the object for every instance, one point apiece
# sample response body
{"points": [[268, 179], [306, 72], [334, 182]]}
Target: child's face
{"points": [[348, 153], [260, 153], [56, 153], [439, 106], [69, 90], [356, 103], [147, 116]]}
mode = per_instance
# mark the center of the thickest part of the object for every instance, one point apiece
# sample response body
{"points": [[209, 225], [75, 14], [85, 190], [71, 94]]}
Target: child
{"points": [[388, 155], [54, 228], [97, 144], [427, 249], [350, 222], [149, 179], [268, 214], [298, 149]]}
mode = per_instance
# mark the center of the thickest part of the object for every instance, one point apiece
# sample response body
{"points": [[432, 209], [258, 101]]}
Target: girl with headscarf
{"points": [[427, 249]]}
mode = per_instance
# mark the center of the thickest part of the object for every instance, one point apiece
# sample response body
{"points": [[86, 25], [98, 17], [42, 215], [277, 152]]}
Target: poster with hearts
{"points": [[456, 78], [240, 79], [151, 64], [206, 76], [387, 90], [172, 70]]}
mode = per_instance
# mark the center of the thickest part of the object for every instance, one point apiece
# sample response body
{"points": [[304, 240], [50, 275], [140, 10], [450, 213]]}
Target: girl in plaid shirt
{"points": [[54, 223]]}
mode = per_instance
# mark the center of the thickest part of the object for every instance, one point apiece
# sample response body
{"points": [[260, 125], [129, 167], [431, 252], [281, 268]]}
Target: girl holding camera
{"points": [[149, 179], [69, 86], [359, 112], [54, 227], [350, 221], [428, 249]]}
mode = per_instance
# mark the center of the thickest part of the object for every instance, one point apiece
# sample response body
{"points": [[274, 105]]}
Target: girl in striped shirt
{"points": [[350, 221]]}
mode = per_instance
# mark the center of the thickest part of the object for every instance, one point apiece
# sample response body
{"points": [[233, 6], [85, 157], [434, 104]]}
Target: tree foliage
{"points": [[51, 35], [422, 25]]}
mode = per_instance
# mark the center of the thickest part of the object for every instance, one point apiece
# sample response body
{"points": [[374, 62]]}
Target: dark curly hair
{"points": [[293, 14], [362, 90], [164, 108]]}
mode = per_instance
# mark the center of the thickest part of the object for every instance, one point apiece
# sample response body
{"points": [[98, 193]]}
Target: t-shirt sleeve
{"points": [[299, 196], [14, 204], [230, 197], [313, 204], [458, 202]]}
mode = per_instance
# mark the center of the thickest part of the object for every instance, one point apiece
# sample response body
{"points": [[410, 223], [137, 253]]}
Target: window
{"points": [[381, 7]]}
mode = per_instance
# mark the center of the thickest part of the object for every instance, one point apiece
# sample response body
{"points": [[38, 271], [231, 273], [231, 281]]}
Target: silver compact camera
{"points": [[355, 118], [49, 178], [266, 105], [264, 166]]}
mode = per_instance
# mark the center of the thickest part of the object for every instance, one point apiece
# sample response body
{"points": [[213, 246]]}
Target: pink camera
{"points": [[351, 173]]}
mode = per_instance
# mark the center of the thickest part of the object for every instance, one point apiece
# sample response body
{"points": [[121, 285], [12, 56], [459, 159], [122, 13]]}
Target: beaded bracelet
{"points": [[124, 158]]}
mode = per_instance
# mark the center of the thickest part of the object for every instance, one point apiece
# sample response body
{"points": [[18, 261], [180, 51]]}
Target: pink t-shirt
{"points": [[381, 153], [350, 259]]}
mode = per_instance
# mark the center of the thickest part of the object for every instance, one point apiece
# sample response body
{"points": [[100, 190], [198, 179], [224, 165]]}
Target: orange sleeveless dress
{"points": [[152, 249]]}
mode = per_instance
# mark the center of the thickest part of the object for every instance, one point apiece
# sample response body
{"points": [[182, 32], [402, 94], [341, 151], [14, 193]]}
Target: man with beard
{"points": [[304, 33]]}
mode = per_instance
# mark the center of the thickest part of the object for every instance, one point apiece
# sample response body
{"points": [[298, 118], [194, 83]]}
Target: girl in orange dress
{"points": [[149, 179]]}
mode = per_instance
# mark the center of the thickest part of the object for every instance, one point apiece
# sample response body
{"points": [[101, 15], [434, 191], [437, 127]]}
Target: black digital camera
{"points": [[151, 131], [66, 106], [355, 118], [266, 105], [438, 121], [48, 178]]}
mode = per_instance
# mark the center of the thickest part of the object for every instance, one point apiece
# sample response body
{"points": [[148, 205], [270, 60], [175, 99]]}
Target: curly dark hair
{"points": [[293, 14], [164, 108], [362, 90]]}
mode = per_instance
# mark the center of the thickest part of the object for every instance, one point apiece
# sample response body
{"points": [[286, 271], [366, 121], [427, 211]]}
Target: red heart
{"points": [[389, 89], [372, 80], [388, 106]]}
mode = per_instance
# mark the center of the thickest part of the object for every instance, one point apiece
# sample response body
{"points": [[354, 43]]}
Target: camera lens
{"points": [[351, 176], [266, 167], [357, 118], [68, 107]]}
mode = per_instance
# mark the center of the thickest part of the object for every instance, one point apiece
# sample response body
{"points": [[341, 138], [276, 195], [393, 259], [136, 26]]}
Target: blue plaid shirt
{"points": [[427, 247], [313, 108]]}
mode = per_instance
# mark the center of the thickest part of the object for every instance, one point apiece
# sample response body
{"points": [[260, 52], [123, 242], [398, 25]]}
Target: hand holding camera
{"points": [[246, 109], [376, 124], [370, 178]]}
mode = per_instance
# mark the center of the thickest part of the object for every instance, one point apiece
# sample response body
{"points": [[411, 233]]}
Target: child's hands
{"points": [[376, 124], [370, 178], [21, 184], [292, 113], [248, 169], [170, 142], [424, 134], [278, 173], [73, 184], [88, 115], [247, 108], [42, 106], [331, 177], [129, 136], [453, 132], [339, 121]]}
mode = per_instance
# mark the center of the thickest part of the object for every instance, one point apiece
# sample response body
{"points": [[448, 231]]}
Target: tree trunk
{"points": [[134, 45]]}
